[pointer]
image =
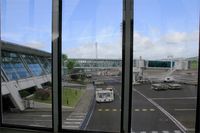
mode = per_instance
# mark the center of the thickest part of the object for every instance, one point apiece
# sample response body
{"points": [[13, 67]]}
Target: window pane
{"points": [[165, 70], [26, 62], [91, 64]]}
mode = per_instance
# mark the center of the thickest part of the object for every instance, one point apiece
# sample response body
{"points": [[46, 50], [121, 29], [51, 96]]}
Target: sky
{"points": [[162, 28]]}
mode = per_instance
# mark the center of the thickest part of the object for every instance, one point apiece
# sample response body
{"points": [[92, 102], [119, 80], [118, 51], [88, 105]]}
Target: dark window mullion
{"points": [[197, 126], [56, 69], [127, 65]]}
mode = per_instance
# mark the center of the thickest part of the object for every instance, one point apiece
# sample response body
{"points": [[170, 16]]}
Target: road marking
{"points": [[26, 120], [35, 125], [99, 109], [46, 115], [176, 122], [137, 110], [174, 98], [152, 109], [154, 132], [78, 116], [185, 109], [70, 126], [114, 110], [144, 109], [107, 110], [72, 123], [69, 119], [143, 132]]}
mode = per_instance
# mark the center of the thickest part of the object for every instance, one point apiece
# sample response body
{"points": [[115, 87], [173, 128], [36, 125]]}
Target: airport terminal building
{"points": [[22, 68]]}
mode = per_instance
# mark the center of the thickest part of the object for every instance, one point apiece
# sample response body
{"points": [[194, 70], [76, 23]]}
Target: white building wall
{"points": [[13, 88]]}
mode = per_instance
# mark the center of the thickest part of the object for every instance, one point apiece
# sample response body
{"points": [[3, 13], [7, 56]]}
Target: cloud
{"points": [[88, 50], [176, 44], [180, 37], [36, 45]]}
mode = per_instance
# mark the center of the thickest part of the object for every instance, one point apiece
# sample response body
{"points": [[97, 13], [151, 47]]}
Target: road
{"points": [[171, 111]]}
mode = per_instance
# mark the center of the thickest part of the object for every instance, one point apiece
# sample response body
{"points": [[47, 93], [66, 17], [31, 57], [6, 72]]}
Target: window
{"points": [[91, 58], [115, 66], [13, 66], [166, 35], [26, 90]]}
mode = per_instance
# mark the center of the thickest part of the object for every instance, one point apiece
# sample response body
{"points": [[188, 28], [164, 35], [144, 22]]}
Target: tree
{"points": [[70, 64], [64, 58]]}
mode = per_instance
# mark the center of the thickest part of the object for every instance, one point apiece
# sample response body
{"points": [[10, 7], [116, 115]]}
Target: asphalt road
{"points": [[171, 111]]}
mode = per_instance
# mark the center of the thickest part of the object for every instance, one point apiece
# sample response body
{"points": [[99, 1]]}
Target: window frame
{"points": [[127, 62]]}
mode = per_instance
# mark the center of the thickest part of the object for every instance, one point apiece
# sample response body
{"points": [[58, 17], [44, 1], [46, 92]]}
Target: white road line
{"points": [[114, 110], [46, 115], [90, 115], [72, 123], [154, 132], [69, 119], [152, 109], [26, 120], [70, 126], [143, 132], [144, 109], [185, 109], [78, 116], [174, 98], [107, 110], [178, 124], [35, 125], [137, 110]]}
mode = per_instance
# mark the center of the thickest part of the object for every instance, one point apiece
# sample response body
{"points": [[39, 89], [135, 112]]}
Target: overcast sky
{"points": [[162, 28]]}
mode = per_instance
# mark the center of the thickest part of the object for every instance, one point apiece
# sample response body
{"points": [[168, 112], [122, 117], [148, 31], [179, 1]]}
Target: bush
{"points": [[42, 94], [24, 93]]}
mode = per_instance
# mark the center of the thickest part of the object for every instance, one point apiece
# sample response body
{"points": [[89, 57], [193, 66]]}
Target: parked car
{"points": [[174, 86], [159, 86]]}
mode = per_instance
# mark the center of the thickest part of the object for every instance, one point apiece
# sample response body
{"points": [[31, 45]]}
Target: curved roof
{"points": [[13, 47]]}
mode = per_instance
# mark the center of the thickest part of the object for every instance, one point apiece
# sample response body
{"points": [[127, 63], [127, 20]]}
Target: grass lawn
{"points": [[70, 97], [194, 65]]}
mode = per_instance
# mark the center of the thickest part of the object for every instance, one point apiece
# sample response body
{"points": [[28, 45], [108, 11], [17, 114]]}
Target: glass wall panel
{"points": [[91, 64], [165, 77], [34, 65], [13, 67], [26, 87]]}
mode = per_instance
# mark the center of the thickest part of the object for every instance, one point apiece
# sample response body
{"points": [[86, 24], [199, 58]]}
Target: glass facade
{"points": [[13, 66], [33, 65], [45, 64]]}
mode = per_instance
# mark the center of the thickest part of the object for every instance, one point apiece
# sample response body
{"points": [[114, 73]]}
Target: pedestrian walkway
{"points": [[76, 118]]}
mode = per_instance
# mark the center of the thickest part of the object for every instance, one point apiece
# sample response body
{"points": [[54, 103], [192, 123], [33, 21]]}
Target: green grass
{"points": [[194, 65], [70, 97]]}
